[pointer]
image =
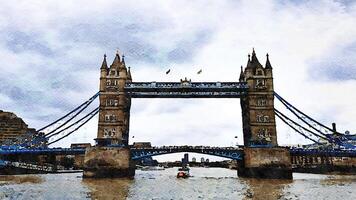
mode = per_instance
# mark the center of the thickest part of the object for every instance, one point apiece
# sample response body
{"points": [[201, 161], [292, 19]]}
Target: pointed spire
{"points": [[254, 57], [117, 59], [123, 59], [129, 74], [254, 60], [248, 61], [268, 64], [104, 65], [242, 75]]}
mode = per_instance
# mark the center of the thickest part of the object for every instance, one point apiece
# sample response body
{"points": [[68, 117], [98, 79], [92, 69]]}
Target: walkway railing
{"points": [[186, 89]]}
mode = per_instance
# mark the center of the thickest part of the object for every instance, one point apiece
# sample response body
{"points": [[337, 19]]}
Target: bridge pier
{"points": [[108, 162], [268, 163]]}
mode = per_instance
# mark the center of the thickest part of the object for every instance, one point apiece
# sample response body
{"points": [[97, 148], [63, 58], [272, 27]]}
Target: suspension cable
{"points": [[297, 124], [280, 117], [92, 113], [79, 120], [90, 99], [291, 106], [50, 134], [288, 105]]}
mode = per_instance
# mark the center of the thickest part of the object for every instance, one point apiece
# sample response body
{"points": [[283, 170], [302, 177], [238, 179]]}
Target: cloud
{"points": [[52, 51], [338, 65]]}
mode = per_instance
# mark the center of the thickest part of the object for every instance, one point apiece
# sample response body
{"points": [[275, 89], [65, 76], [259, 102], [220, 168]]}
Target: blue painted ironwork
{"points": [[41, 151], [186, 89], [91, 99], [295, 126], [235, 153], [226, 152], [82, 108], [41, 137], [86, 118], [323, 131], [321, 152]]}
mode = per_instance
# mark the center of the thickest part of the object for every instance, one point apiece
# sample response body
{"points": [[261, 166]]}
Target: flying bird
{"points": [[167, 72], [200, 71]]}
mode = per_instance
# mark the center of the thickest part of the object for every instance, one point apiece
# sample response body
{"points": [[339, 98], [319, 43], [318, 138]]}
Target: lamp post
{"points": [[236, 140]]}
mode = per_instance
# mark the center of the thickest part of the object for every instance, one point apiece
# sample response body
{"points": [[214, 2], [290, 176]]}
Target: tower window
{"points": [[262, 118], [261, 102], [112, 102], [109, 132], [110, 118], [259, 72], [260, 83]]}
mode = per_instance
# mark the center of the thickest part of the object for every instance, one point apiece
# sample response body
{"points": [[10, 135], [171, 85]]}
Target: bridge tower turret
{"points": [[103, 73], [262, 156], [111, 156], [114, 104], [259, 126]]}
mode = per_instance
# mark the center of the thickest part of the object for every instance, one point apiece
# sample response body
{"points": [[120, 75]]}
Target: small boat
{"points": [[183, 172]]}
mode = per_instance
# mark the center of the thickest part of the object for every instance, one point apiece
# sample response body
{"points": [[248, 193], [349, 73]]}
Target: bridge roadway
{"points": [[138, 153]]}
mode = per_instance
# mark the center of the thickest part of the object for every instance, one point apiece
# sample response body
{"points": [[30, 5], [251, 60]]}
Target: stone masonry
{"points": [[262, 156]]}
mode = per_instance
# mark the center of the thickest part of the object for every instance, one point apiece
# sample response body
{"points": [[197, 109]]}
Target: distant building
{"points": [[79, 159], [186, 158], [12, 127], [194, 159]]}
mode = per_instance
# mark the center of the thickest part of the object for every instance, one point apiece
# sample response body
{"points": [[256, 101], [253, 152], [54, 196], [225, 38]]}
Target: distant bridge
{"points": [[234, 153]]}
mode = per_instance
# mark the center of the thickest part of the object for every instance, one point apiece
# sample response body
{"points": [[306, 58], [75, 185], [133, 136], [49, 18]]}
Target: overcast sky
{"points": [[51, 52]]}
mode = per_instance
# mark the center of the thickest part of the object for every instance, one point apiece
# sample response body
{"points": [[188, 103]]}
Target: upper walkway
{"points": [[186, 89]]}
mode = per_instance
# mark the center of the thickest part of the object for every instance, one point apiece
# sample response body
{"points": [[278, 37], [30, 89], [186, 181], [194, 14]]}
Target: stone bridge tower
{"points": [[111, 156], [258, 119], [262, 156], [114, 111]]}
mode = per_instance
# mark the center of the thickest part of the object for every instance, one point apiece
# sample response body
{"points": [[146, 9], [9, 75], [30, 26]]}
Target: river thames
{"points": [[206, 183]]}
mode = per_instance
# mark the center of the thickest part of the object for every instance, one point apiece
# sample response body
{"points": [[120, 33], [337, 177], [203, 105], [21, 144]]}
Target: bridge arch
{"points": [[224, 152]]}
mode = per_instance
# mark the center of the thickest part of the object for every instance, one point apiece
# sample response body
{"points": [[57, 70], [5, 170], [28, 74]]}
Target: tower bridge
{"points": [[262, 156], [112, 156]]}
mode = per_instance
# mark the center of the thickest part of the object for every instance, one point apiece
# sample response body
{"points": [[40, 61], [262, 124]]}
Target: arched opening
{"points": [[208, 122]]}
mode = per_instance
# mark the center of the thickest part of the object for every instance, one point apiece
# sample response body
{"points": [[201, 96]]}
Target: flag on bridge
{"points": [[167, 72], [200, 71]]}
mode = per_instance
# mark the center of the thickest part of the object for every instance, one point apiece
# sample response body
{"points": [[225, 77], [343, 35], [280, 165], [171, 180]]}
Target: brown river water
{"points": [[206, 183]]}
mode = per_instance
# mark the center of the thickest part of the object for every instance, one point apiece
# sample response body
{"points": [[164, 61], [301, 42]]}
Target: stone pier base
{"points": [[108, 162], [269, 163]]}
